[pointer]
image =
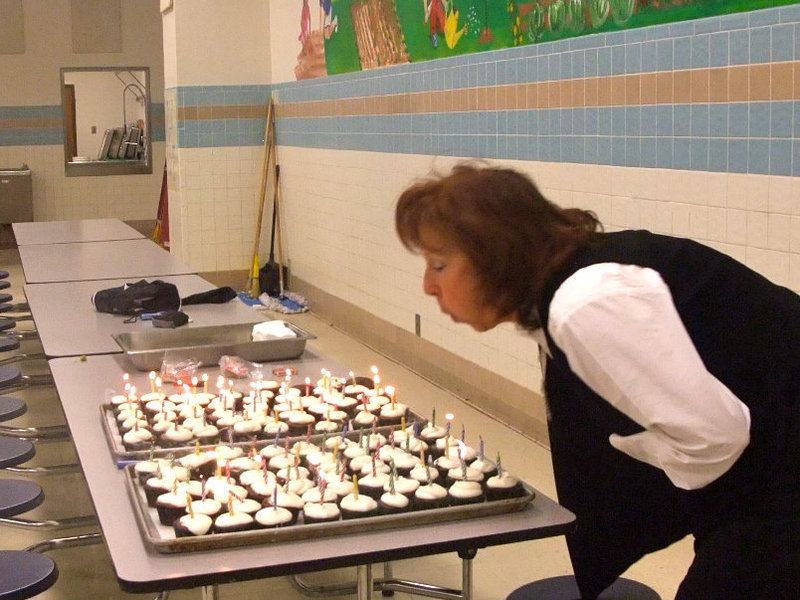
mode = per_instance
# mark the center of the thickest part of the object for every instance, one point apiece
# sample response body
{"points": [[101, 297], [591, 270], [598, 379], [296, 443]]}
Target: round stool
{"points": [[11, 408], [7, 323], [19, 496], [4, 285], [565, 588], [25, 574], [8, 344], [4, 274], [6, 298], [14, 451], [9, 376]]}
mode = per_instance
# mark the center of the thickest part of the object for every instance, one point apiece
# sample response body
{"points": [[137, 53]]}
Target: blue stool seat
{"points": [[9, 376], [25, 574], [8, 344], [19, 496], [4, 274], [4, 285], [565, 588], [11, 408], [7, 323], [14, 451]]}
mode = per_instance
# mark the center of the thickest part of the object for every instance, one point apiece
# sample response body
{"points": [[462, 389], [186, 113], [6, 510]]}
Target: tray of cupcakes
{"points": [[162, 420], [232, 496]]}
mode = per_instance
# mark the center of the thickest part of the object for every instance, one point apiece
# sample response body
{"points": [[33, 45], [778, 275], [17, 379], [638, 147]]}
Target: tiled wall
{"points": [[34, 135], [689, 129]]}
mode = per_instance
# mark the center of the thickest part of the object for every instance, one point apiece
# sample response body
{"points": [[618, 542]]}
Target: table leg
{"points": [[364, 582], [466, 573], [210, 592]]}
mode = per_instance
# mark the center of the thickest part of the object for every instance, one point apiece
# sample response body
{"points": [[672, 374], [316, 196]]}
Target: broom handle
{"points": [[264, 173], [278, 228]]}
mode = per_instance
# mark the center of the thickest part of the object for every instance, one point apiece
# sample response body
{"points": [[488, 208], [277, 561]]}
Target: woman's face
{"points": [[451, 278]]}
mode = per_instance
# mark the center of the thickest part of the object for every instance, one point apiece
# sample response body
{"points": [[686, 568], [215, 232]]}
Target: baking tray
{"points": [[147, 350], [162, 538], [122, 455]]}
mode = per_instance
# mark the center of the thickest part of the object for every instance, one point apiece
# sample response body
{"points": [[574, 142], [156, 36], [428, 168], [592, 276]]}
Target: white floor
{"points": [[86, 572]]}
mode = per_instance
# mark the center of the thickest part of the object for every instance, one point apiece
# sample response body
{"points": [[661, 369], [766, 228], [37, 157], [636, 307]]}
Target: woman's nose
{"points": [[428, 285]]}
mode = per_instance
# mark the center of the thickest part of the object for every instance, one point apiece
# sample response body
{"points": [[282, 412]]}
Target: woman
{"points": [[672, 377]]}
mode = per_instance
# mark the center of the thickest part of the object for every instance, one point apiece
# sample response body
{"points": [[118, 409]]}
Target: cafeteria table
{"points": [[69, 325], [45, 263], [83, 384], [82, 230]]}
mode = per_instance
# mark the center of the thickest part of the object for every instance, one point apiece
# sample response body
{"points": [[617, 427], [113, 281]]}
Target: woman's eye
{"points": [[438, 267]]}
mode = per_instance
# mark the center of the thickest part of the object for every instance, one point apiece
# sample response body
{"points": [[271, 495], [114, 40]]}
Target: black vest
{"points": [[747, 331]]}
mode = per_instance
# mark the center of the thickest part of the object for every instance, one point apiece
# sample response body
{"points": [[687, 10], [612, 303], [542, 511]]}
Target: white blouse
{"points": [[621, 334]]}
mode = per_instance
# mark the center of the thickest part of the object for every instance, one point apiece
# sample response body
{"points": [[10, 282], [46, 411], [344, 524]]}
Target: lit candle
{"points": [[205, 383], [375, 378], [152, 382], [308, 386], [390, 390], [449, 417], [194, 386]]}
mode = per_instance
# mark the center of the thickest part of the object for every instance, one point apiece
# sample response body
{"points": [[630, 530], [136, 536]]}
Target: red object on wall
{"points": [[161, 233]]}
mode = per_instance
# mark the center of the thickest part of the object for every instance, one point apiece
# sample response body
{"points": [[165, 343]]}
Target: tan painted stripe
{"points": [[746, 83], [29, 123]]}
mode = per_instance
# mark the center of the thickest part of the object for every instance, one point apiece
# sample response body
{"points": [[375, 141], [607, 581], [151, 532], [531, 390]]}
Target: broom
{"points": [[283, 303], [253, 285]]}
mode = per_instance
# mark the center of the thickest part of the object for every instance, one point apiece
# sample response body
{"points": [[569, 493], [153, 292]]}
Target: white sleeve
{"points": [[622, 335]]}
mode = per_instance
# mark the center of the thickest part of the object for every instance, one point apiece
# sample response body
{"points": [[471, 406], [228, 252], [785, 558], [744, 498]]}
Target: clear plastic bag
{"points": [[238, 368], [183, 370]]}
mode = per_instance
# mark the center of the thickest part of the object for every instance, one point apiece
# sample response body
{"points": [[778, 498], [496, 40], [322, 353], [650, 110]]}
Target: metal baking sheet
{"points": [[147, 350], [162, 538], [122, 455]]}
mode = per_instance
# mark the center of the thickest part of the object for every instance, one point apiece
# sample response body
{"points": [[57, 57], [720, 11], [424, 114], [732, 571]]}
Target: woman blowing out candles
{"points": [[671, 375]]}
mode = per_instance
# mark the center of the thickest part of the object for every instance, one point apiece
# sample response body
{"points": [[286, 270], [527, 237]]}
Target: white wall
{"points": [[33, 79], [220, 42]]}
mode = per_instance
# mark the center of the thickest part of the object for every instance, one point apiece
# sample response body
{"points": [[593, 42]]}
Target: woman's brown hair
{"points": [[514, 236]]}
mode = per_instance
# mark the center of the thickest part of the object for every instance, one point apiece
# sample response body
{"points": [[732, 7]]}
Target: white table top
{"points": [[81, 386], [69, 325], [143, 258], [84, 230]]}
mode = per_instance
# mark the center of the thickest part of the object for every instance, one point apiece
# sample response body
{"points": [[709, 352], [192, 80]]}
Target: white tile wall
{"points": [[57, 197], [339, 230]]}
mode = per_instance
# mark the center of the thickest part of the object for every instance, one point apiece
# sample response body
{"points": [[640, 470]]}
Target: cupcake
{"points": [[192, 525], [463, 473], [171, 505], [485, 466], [200, 464], [205, 506], [138, 438], [231, 521], [372, 485], [176, 436], [393, 502], [272, 517], [320, 512], [246, 430], [503, 486], [355, 505], [259, 475], [465, 492], [430, 495], [392, 413], [405, 486], [291, 502]]}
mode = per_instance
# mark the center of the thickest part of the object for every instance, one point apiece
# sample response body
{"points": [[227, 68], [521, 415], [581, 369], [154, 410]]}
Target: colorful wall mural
{"points": [[342, 36]]}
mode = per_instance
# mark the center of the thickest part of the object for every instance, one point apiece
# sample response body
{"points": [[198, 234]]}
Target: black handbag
{"points": [[136, 298]]}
